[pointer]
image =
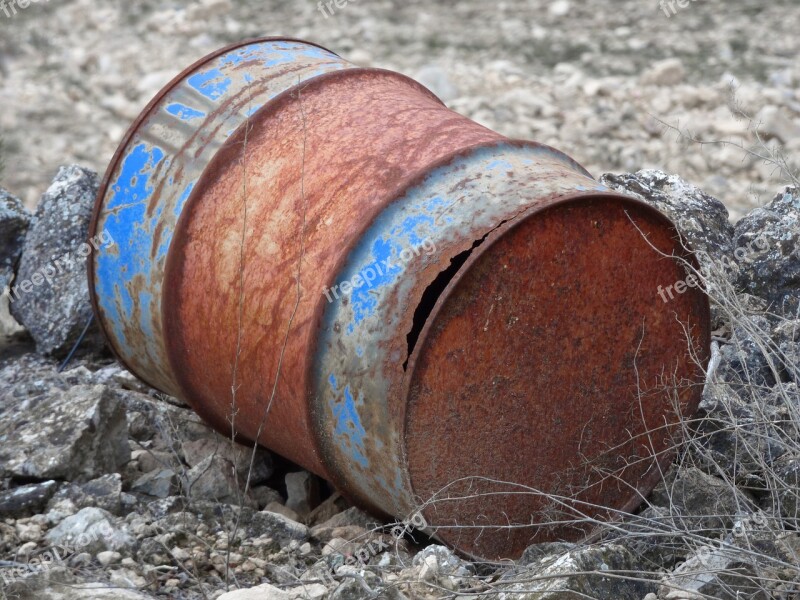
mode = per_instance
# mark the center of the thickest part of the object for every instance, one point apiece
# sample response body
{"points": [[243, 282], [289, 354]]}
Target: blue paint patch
{"points": [[134, 176], [348, 432], [182, 199], [385, 254], [213, 83], [500, 164], [183, 112], [280, 60]]}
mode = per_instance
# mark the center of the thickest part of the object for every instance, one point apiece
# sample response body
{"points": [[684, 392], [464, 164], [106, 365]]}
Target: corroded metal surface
{"points": [[312, 168], [155, 170], [547, 383], [432, 316]]}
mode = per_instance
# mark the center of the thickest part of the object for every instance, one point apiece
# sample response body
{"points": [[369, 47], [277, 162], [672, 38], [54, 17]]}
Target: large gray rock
{"points": [[787, 336], [576, 573], [713, 572], [79, 434], [701, 504], [243, 457], [701, 219], [14, 222], [737, 436], [786, 486], [749, 562], [767, 248], [29, 498], [90, 530], [215, 479], [745, 358], [104, 492], [50, 295]]}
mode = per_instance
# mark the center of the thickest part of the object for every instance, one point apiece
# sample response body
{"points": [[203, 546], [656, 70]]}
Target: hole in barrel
{"points": [[432, 293]]}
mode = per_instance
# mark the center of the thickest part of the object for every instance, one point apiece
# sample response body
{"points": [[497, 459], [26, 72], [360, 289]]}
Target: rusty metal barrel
{"points": [[441, 321]]}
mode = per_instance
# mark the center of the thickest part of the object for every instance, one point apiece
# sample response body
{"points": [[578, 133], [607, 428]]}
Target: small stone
{"points": [[265, 591], [277, 507], [82, 559], [27, 548], [559, 8], [665, 72], [302, 490], [108, 557], [772, 122], [127, 578]]}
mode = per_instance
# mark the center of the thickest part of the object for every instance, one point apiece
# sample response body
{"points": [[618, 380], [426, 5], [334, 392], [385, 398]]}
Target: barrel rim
{"points": [[122, 147], [646, 484]]}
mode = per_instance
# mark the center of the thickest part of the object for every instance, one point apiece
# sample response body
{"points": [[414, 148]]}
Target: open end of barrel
{"points": [[546, 382]]}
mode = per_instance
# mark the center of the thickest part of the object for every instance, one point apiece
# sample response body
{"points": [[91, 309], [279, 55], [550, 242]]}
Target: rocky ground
{"points": [[597, 80], [109, 489]]}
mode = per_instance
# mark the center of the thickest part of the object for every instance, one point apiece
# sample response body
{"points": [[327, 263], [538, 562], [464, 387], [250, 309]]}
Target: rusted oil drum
{"points": [[432, 316]]}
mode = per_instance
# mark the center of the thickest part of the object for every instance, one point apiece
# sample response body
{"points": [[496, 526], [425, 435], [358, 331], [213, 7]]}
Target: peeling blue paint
{"points": [[213, 84], [348, 432], [183, 112]]}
